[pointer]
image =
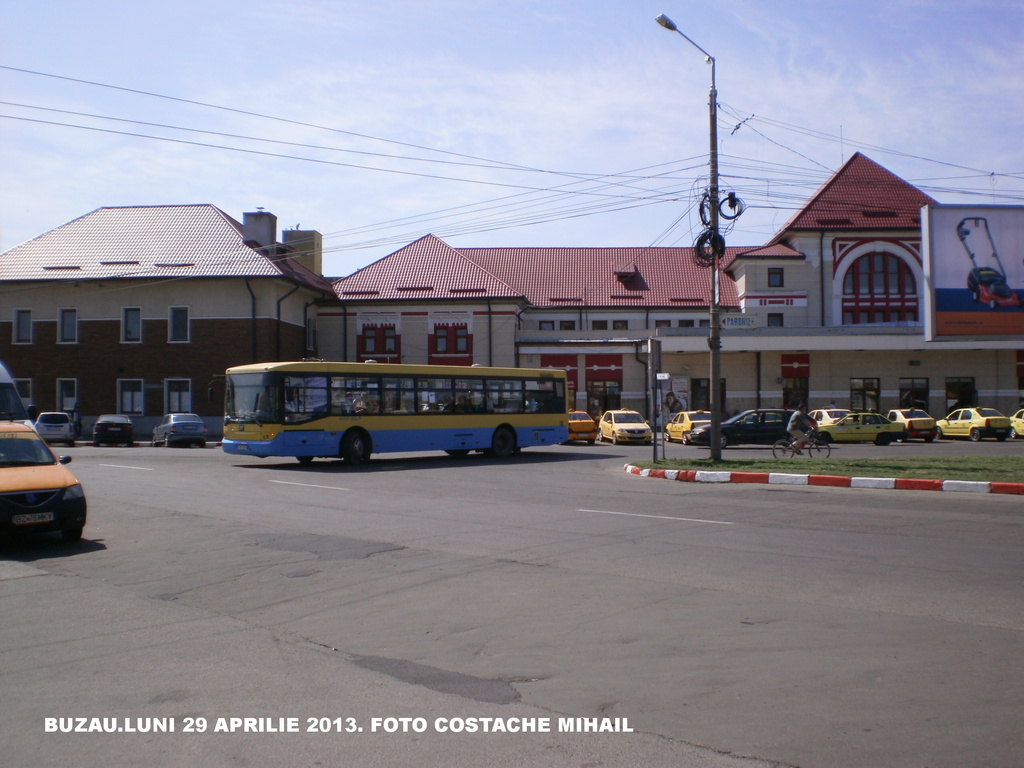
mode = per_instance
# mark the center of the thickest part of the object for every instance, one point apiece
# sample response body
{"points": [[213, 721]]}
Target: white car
{"points": [[55, 427]]}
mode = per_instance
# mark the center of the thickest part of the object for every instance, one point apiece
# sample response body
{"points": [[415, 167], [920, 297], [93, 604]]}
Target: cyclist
{"points": [[800, 427]]}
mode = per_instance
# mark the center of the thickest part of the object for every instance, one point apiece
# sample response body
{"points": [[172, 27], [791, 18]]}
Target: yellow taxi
{"points": [[37, 492], [975, 423], [1017, 424], [858, 427], [625, 427], [581, 427], [679, 427], [916, 423]]}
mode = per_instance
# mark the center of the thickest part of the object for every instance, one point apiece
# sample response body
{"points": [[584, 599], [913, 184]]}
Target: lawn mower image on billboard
{"points": [[987, 283]]}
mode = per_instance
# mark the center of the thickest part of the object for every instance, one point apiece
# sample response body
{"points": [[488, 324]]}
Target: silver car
{"points": [[180, 429]]}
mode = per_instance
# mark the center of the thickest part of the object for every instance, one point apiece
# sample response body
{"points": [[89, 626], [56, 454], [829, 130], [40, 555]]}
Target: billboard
{"points": [[974, 267]]}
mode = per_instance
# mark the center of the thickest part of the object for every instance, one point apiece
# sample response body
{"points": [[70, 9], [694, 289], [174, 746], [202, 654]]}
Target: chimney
{"points": [[308, 247], [259, 229]]}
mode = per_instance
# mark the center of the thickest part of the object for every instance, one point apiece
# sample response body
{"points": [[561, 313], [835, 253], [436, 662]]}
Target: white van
{"points": [[11, 407]]}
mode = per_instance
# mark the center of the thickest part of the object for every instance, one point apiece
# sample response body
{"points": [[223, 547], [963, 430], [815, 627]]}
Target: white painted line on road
{"points": [[125, 466], [310, 485], [656, 517]]}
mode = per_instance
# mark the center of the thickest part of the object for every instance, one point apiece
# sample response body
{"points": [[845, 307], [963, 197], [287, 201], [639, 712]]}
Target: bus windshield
{"points": [[252, 398]]}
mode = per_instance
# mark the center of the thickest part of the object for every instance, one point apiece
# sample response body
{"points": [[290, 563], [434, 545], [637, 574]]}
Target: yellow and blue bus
{"points": [[318, 409]]}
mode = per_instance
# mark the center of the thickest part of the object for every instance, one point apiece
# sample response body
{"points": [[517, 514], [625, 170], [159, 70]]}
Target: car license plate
{"points": [[113, 429], [32, 517]]}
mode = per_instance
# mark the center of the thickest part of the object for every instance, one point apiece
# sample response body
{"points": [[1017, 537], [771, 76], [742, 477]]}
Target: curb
{"points": [[835, 481]]}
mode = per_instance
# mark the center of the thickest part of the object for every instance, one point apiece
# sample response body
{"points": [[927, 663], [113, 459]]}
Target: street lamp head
{"points": [[666, 22]]}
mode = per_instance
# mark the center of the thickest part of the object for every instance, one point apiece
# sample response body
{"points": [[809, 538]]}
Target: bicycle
{"points": [[813, 447]]}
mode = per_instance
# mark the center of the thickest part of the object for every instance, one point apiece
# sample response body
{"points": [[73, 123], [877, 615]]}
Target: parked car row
{"points": [[118, 429], [840, 425], [764, 426]]}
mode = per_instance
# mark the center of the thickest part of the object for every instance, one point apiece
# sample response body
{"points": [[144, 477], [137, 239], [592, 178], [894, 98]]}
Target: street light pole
{"points": [[716, 245]]}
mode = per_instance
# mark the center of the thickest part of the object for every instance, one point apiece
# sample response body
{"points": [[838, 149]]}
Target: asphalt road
{"points": [[725, 626]]}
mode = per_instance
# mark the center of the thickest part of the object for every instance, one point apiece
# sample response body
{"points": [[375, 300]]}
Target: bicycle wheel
{"points": [[783, 449], [819, 450]]}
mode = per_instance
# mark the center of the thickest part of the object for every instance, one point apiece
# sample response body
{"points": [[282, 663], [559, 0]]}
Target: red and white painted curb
{"points": [[836, 481]]}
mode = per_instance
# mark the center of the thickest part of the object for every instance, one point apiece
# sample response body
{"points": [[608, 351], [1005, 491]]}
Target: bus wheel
{"points": [[355, 448], [503, 443]]}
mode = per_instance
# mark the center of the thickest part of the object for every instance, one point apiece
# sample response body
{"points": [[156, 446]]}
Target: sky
{"points": [[519, 123]]}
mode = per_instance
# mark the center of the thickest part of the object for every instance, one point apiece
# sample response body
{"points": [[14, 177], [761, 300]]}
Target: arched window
{"points": [[879, 288]]}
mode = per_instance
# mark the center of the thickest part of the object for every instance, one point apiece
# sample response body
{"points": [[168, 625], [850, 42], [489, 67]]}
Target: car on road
{"points": [[113, 428], [975, 423], [38, 493], [55, 427], [862, 427], [762, 426], [180, 429], [1017, 424], [828, 415], [917, 424], [625, 427], [683, 423], [581, 427]]}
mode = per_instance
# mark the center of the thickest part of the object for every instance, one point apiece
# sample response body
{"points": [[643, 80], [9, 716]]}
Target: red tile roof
{"points": [[860, 195], [429, 268]]}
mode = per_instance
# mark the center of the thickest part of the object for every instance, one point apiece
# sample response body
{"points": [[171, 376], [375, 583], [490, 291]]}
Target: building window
{"points": [[23, 326], [879, 279], [686, 323], [178, 395], [603, 396], [775, 320], [567, 325], [546, 325], [379, 340], [67, 394], [914, 393], [178, 325], [960, 393], [701, 399], [451, 340], [67, 331], [129, 397], [599, 325], [864, 394], [776, 277], [662, 323], [795, 391], [311, 339], [620, 325], [131, 324]]}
